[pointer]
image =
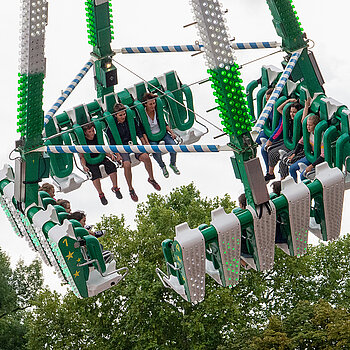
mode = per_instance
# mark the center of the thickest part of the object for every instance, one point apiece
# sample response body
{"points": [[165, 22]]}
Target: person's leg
{"points": [[127, 173], [265, 157], [158, 156], [97, 184], [144, 157], [302, 175], [295, 166], [113, 177], [169, 141]]}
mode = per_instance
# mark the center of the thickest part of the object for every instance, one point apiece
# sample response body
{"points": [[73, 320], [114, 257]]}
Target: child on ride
{"points": [[312, 121]]}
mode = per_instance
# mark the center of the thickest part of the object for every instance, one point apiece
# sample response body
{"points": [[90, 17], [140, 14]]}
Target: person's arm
{"points": [[319, 160], [281, 106], [299, 147], [112, 156], [306, 109], [171, 132], [83, 162], [276, 135]]}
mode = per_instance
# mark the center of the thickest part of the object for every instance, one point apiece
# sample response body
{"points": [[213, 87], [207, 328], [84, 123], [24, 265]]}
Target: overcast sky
{"points": [[159, 22]]}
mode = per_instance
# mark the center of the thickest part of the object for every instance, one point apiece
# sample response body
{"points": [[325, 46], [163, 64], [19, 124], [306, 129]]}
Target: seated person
{"points": [[312, 121], [65, 204], [124, 132], [286, 161], [48, 188], [276, 187], [81, 217], [275, 144], [149, 101], [242, 201], [111, 169]]}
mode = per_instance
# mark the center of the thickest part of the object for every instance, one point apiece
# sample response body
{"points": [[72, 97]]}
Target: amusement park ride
{"points": [[48, 142]]}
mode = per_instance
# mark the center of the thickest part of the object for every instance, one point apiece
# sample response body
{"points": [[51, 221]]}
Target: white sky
{"points": [[159, 22]]}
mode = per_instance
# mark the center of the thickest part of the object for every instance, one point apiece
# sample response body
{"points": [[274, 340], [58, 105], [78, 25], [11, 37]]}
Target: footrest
{"points": [[264, 231], [69, 183], [98, 283], [189, 256], [228, 228], [189, 136], [332, 180], [298, 197]]}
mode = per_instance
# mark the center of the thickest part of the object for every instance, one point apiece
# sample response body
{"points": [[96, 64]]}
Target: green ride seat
{"points": [[78, 130], [61, 165], [175, 94]]}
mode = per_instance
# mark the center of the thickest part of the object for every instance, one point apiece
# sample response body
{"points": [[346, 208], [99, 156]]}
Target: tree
{"points": [[309, 326], [18, 289], [140, 313]]}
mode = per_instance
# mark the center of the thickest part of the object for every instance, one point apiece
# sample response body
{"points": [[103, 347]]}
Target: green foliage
{"points": [[317, 326], [18, 289], [278, 309]]}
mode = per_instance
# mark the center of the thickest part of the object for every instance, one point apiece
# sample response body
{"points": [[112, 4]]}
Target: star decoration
{"points": [[70, 255]]}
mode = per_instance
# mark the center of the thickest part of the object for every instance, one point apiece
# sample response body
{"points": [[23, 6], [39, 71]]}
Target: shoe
{"points": [[103, 199], [269, 177], [154, 184], [175, 169], [117, 192], [133, 195], [99, 234], [165, 171]]}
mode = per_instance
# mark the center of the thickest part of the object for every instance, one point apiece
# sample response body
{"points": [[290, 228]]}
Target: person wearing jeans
{"points": [[149, 101], [312, 121]]}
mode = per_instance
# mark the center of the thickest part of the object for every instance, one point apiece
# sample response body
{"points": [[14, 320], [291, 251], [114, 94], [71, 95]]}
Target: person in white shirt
{"points": [[149, 101]]}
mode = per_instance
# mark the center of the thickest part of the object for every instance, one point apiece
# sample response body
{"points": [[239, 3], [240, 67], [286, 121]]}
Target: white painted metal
{"points": [[192, 246], [228, 228], [298, 197]]}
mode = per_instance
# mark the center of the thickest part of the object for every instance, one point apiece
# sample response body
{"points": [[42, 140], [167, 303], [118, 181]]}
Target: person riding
{"points": [[275, 144], [150, 103], [312, 121], [110, 167], [125, 136]]}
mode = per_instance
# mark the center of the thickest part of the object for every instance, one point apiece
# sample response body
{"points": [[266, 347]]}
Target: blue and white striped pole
{"points": [[68, 91], [255, 45], [159, 49], [133, 149], [276, 92], [197, 47]]}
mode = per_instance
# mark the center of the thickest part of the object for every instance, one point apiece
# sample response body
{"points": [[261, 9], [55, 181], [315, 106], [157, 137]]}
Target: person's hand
{"points": [[292, 100], [86, 169], [308, 102], [172, 134], [309, 168], [112, 156], [268, 144], [291, 157], [118, 157]]}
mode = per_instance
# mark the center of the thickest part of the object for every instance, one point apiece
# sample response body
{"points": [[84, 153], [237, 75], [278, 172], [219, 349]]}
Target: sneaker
{"points": [[154, 183], [117, 192], [103, 199], [165, 171], [99, 234], [133, 195], [175, 169], [269, 177]]}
